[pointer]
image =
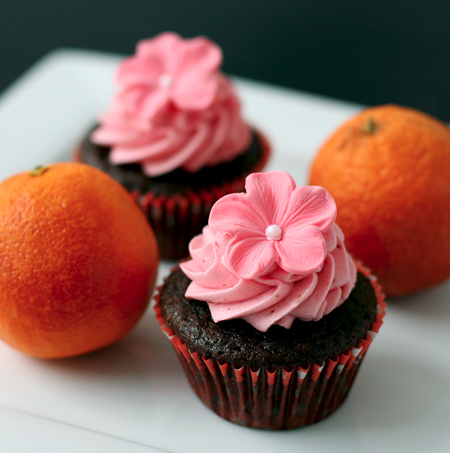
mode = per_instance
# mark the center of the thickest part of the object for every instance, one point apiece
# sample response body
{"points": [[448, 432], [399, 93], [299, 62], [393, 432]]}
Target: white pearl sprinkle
{"points": [[165, 80], [273, 232]]}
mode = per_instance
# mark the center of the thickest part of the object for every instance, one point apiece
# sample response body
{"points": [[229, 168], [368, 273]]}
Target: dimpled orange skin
{"points": [[78, 261], [392, 190]]}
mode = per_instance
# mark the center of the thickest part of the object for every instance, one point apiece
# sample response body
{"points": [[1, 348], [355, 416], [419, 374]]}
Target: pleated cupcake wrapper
{"points": [[275, 398], [176, 219]]}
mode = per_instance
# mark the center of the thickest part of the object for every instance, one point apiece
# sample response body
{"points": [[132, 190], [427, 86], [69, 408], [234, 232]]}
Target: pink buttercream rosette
{"points": [[174, 109], [269, 256]]}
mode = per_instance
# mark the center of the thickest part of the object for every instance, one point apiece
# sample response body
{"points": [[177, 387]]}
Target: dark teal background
{"points": [[362, 51]]}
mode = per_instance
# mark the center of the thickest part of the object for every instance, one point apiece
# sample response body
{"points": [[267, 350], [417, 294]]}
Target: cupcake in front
{"points": [[270, 316], [174, 136]]}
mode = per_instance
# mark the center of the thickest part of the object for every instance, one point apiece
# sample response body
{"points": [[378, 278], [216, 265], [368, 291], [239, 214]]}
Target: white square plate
{"points": [[133, 396]]}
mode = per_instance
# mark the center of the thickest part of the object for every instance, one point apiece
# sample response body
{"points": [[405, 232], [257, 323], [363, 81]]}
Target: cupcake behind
{"points": [[174, 136]]}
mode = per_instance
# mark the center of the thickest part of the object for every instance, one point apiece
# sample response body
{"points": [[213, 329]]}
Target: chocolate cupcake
{"points": [[271, 317], [174, 137]]}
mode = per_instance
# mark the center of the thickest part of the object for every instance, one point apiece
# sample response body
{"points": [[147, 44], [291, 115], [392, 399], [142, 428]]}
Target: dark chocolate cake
{"points": [[237, 342]]}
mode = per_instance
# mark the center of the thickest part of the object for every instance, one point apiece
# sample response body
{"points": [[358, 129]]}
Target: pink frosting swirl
{"points": [[174, 110], [271, 255]]}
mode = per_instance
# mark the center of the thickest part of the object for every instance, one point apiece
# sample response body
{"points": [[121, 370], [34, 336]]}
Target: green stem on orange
{"points": [[369, 126], [39, 170]]}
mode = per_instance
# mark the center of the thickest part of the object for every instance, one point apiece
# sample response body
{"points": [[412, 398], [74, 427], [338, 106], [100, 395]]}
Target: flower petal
{"points": [[161, 43], [235, 212], [199, 55], [301, 253], [166, 46], [311, 205], [270, 193], [138, 71], [194, 91], [248, 256]]}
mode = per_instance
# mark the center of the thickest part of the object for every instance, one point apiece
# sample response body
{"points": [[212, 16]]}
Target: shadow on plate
{"points": [[431, 304], [405, 392], [144, 354]]}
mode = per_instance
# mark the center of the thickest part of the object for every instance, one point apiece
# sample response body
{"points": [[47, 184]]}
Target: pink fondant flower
{"points": [[274, 222], [168, 69]]}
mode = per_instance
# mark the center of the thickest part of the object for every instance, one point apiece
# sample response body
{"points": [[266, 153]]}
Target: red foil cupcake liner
{"points": [[275, 398]]}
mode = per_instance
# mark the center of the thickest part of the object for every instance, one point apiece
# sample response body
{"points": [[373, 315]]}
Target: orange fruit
{"points": [[78, 261], [388, 169]]}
